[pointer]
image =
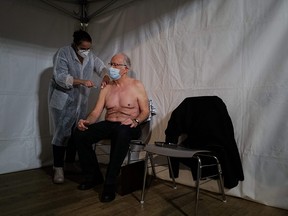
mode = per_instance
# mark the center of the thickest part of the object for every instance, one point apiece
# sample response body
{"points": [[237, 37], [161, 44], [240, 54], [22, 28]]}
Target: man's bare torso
{"points": [[122, 102]]}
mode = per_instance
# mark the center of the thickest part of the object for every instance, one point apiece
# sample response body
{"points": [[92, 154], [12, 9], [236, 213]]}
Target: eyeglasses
{"points": [[116, 65]]}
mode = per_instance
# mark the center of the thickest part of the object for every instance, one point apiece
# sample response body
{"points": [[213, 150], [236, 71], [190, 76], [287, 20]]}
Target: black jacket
{"points": [[207, 124]]}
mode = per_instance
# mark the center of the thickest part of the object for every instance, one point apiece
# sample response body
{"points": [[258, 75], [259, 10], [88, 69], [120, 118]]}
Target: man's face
{"points": [[118, 62]]}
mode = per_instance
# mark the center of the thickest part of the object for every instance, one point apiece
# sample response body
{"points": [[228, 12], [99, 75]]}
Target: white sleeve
{"points": [[99, 67]]}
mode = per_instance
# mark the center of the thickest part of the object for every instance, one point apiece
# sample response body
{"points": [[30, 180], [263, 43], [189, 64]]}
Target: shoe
{"points": [[108, 193], [58, 175], [90, 184], [107, 196]]}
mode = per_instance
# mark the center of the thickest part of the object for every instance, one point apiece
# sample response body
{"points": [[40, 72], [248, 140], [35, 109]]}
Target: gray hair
{"points": [[127, 60]]}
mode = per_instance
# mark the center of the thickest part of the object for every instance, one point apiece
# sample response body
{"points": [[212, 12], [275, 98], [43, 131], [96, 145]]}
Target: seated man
{"points": [[126, 104]]}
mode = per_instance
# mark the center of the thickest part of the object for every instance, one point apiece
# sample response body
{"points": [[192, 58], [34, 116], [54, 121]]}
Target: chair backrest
{"points": [[204, 119], [146, 127], [206, 122], [145, 133]]}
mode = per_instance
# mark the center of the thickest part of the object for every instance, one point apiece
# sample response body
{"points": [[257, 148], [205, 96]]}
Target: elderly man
{"points": [[126, 104]]}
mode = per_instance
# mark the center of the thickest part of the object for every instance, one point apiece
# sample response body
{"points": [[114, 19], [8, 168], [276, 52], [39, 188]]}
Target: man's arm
{"points": [[143, 104], [95, 113]]}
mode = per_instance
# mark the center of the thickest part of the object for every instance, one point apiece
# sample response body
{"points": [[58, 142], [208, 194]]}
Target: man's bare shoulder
{"points": [[106, 89], [109, 85], [136, 82]]}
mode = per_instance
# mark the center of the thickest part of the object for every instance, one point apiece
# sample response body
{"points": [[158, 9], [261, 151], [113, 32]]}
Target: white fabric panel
{"points": [[234, 49], [31, 34]]}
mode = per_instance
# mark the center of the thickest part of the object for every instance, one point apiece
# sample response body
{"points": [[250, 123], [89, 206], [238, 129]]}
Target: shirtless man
{"points": [[126, 104]]}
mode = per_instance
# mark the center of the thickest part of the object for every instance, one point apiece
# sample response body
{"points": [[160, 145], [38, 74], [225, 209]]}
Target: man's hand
{"points": [[130, 122], [82, 125]]}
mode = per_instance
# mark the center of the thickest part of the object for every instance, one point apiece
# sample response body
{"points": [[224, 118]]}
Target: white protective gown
{"points": [[68, 103]]}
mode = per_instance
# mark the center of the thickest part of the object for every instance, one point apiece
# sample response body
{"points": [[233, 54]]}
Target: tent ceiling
{"points": [[85, 10]]}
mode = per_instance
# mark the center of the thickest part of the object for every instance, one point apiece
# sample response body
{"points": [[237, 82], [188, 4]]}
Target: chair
{"points": [[136, 146], [209, 145], [168, 151]]}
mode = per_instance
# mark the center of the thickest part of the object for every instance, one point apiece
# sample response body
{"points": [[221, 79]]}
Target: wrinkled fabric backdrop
{"points": [[235, 49]]}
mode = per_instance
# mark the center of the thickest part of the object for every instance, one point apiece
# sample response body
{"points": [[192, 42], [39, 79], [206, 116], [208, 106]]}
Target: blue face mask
{"points": [[114, 73]]}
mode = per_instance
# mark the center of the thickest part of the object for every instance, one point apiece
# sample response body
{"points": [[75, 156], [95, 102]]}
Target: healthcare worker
{"points": [[68, 95]]}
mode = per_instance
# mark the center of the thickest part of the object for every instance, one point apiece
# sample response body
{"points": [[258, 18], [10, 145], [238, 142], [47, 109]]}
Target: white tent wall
{"points": [[235, 49], [30, 34]]}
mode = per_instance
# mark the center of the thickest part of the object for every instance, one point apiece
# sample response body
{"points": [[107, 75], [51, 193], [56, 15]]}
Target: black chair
{"points": [[208, 146]]}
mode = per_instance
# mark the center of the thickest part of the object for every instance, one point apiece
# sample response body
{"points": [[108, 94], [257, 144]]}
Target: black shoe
{"points": [[89, 184], [107, 196], [108, 193]]}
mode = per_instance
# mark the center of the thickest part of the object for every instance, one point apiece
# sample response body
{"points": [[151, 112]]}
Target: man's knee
{"points": [[124, 129]]}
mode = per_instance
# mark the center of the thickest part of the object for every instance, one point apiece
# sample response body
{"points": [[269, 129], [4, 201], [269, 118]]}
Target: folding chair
{"points": [[207, 126], [169, 150]]}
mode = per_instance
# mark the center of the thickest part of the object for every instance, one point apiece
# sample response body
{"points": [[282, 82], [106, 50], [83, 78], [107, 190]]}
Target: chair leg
{"points": [[220, 183], [152, 164], [144, 179], [199, 173], [129, 155], [171, 172]]}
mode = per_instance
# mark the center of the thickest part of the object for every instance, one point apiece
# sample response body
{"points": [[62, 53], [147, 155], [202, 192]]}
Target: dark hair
{"points": [[80, 36]]}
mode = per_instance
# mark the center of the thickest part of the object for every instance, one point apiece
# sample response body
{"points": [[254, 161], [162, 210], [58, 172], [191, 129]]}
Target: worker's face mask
{"points": [[83, 53], [114, 73]]}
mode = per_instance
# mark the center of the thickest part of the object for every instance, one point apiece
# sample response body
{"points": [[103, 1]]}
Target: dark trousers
{"points": [[120, 136], [68, 152]]}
